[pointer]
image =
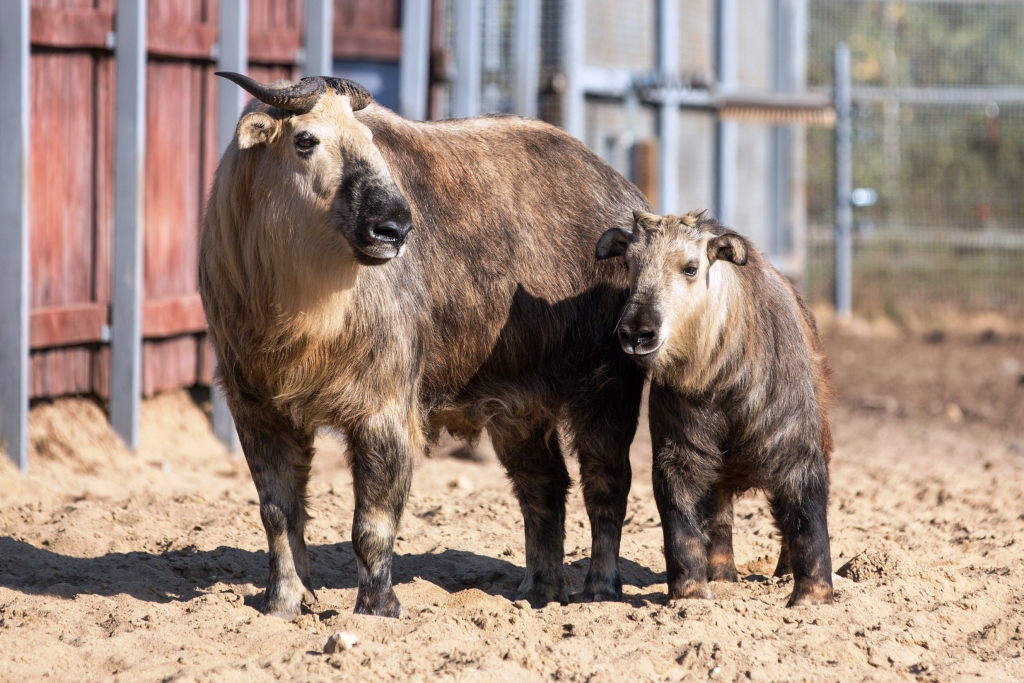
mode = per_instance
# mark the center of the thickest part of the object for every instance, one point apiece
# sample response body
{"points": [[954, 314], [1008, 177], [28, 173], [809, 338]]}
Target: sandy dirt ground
{"points": [[148, 566]]}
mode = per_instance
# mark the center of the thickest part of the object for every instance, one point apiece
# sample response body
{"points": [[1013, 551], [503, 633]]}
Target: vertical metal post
{"points": [[725, 131], [527, 56], [468, 56], [14, 229], [234, 56], [844, 185], [414, 72], [574, 35], [129, 189], [319, 38], [668, 111]]}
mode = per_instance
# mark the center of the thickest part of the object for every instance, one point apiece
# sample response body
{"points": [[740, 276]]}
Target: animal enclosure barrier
{"points": [[938, 136], [80, 217]]}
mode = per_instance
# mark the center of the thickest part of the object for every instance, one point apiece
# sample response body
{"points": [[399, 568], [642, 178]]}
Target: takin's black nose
{"points": [[385, 231], [639, 332]]}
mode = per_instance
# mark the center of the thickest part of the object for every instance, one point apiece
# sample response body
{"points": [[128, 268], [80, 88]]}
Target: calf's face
{"points": [[672, 276], [316, 165]]}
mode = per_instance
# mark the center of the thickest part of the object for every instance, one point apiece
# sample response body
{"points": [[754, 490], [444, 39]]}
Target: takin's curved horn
{"points": [[358, 96], [303, 96], [298, 98]]}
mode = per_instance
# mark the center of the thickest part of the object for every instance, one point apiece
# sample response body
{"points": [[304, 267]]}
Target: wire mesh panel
{"points": [[938, 133]]}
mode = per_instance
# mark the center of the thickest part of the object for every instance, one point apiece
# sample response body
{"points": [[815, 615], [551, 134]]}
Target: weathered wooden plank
{"points": [[173, 316], [169, 364], [59, 372], [276, 46], [71, 28], [130, 165], [15, 110], [384, 44], [368, 29], [186, 41], [173, 182], [62, 184], [80, 323]]}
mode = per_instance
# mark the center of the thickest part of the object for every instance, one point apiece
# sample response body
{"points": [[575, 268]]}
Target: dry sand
{"points": [[116, 566]]}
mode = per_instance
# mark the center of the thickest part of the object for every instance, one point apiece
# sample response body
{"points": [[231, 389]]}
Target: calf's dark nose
{"points": [[639, 331]]}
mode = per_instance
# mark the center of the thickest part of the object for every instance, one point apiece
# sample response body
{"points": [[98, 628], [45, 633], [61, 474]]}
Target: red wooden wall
{"points": [[71, 180]]}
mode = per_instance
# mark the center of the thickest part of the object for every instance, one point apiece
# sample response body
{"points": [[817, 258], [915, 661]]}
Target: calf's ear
{"points": [[256, 128], [728, 247], [613, 242]]}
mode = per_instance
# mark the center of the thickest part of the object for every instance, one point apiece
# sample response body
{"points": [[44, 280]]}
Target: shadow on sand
{"points": [[181, 575]]}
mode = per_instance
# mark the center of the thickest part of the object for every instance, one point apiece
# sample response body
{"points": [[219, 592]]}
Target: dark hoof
{"points": [[600, 595], [723, 574], [281, 607], [541, 594], [811, 594], [691, 590], [381, 605]]}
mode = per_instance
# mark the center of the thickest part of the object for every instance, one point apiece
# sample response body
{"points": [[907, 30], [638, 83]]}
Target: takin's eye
{"points": [[305, 143], [690, 271]]}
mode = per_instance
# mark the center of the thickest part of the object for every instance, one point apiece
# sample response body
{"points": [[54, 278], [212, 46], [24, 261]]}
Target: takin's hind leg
{"points": [[802, 517], [540, 481], [783, 567], [721, 560], [279, 461]]}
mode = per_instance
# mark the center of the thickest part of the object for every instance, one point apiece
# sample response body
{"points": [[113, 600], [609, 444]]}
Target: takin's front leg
{"points": [[279, 461], [535, 465], [602, 429], [382, 473]]}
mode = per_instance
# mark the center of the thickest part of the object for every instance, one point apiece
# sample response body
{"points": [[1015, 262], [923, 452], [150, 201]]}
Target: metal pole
{"points": [[414, 72], [668, 112], [234, 56], [844, 185], [574, 45], [527, 56], [14, 229], [129, 190], [319, 38], [468, 56], [725, 131]]}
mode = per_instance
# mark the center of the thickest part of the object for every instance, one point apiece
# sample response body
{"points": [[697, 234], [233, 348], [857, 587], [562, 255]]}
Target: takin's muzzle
{"points": [[639, 329]]}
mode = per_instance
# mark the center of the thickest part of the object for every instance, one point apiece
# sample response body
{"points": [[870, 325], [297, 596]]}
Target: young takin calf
{"points": [[739, 397]]}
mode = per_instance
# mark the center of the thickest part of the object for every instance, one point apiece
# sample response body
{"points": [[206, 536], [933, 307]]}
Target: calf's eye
{"points": [[690, 271]]}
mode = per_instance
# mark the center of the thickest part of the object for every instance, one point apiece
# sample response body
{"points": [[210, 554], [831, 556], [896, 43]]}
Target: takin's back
{"points": [[506, 212]]}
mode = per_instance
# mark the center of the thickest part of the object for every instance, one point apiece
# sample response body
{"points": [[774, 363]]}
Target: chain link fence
{"points": [[938, 134]]}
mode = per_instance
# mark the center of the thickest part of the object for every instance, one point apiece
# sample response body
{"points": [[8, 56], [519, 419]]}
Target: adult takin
{"points": [[390, 279], [739, 397]]}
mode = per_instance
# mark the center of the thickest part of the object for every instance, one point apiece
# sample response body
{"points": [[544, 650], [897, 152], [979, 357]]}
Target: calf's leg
{"points": [[381, 473], [801, 514], [279, 461], [540, 481], [684, 436], [721, 561]]}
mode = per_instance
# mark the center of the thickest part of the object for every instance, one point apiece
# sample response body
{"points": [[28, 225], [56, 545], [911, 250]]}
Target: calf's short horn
{"points": [[302, 96]]}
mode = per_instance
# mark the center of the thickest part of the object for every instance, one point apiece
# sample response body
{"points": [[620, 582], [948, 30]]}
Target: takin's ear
{"points": [[256, 128], [613, 242], [728, 247], [647, 221]]}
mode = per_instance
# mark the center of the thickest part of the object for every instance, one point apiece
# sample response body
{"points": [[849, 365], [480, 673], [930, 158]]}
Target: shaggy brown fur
{"points": [[495, 315], [739, 397]]}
